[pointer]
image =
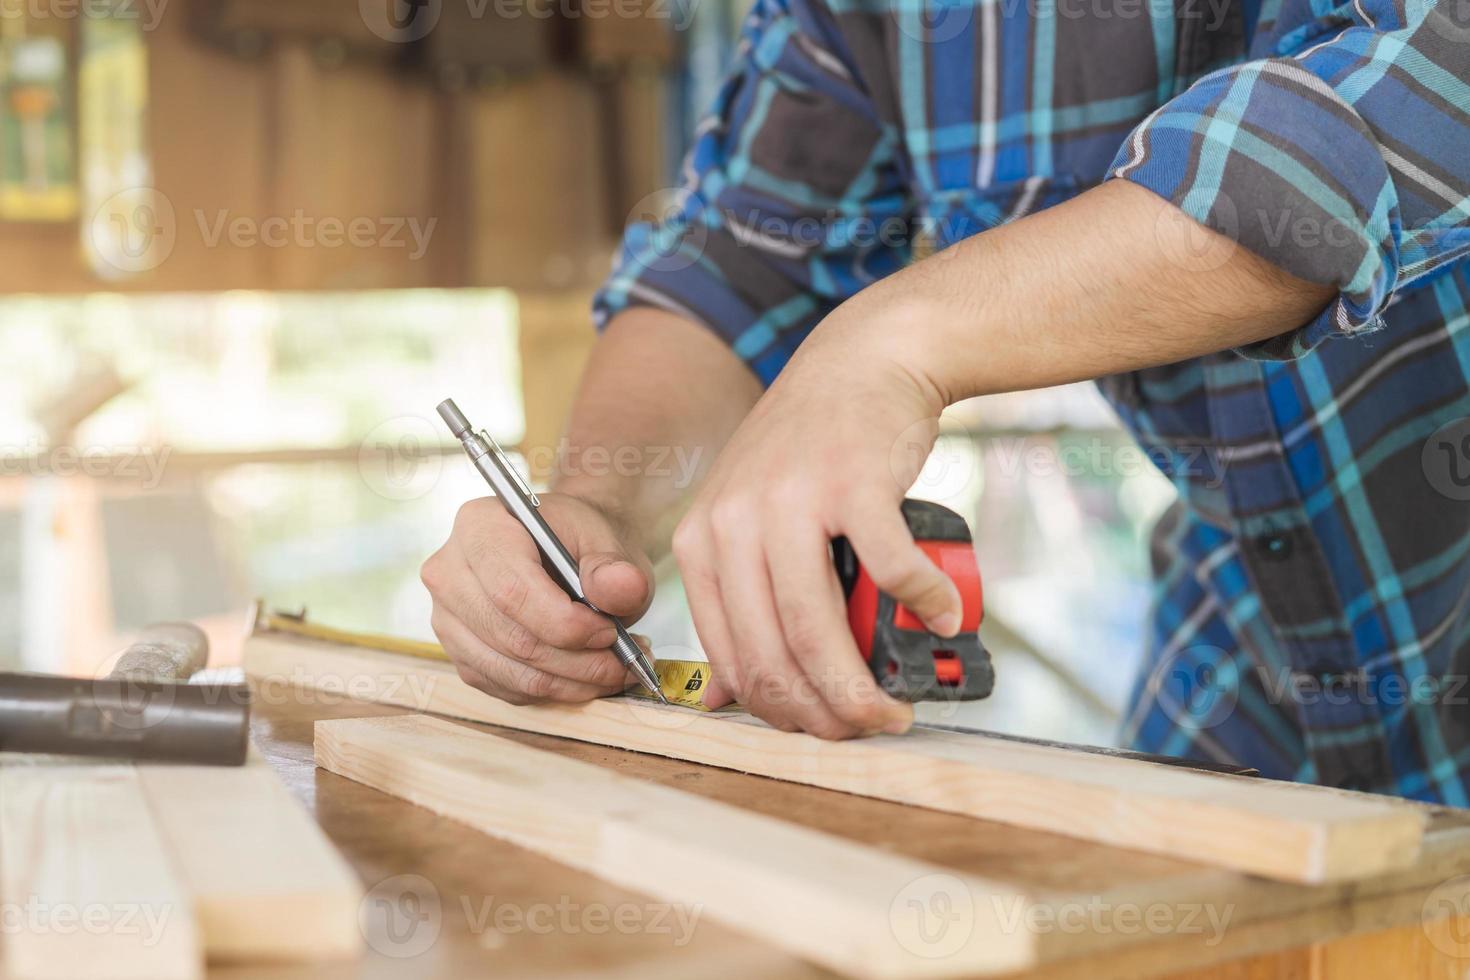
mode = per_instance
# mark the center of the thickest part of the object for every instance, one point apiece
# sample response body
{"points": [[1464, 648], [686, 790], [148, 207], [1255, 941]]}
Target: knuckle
{"points": [[509, 591], [536, 684], [430, 573], [565, 632], [476, 511], [730, 518], [801, 625], [773, 716], [859, 716], [521, 643], [831, 730], [606, 671], [687, 537]]}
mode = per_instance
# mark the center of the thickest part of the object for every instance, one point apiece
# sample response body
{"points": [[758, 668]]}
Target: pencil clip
{"points": [[515, 474]]}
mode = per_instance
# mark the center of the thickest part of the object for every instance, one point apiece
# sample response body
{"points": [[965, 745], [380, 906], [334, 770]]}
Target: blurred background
{"points": [[247, 245]]}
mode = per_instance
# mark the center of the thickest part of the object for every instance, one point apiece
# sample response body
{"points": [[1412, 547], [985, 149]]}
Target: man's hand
{"points": [[1114, 280], [816, 459], [509, 628]]}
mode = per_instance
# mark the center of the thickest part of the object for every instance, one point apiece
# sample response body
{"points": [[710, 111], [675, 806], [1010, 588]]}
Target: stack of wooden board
{"points": [[149, 871], [1303, 858]]}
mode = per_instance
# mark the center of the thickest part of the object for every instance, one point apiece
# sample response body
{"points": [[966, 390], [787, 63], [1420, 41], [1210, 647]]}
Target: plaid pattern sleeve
{"points": [[1311, 614], [1341, 157], [791, 202]]}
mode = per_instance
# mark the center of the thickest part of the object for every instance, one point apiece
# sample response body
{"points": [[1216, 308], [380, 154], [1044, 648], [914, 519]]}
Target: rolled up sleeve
{"points": [[791, 199], [1343, 159]]}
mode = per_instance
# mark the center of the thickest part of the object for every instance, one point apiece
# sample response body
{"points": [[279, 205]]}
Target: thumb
{"points": [[616, 583]]}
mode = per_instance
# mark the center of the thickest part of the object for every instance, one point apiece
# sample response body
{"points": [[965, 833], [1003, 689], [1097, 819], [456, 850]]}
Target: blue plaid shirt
{"points": [[1313, 606]]}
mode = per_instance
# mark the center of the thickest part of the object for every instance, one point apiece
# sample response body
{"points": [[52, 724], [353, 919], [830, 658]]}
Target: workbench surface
{"points": [[447, 901]]}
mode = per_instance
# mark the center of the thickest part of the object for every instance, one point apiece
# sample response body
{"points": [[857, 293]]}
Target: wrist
{"points": [[903, 329]]}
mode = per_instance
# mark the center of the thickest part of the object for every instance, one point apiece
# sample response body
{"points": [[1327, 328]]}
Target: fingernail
{"points": [[946, 624], [898, 726]]}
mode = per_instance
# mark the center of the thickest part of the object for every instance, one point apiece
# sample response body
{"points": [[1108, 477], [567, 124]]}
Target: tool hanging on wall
{"points": [[123, 233], [38, 179]]}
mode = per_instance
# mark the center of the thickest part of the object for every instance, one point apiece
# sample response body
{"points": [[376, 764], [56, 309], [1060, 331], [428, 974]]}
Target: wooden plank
{"points": [[1279, 830], [87, 886], [837, 903], [267, 884], [1183, 915]]}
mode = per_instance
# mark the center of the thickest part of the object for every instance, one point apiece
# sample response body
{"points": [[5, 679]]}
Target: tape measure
{"points": [[681, 681]]}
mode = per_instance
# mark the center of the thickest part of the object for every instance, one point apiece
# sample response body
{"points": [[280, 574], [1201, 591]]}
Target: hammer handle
{"points": [[164, 653]]}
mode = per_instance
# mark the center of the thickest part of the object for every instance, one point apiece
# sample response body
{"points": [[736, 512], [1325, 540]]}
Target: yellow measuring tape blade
{"points": [[682, 681]]}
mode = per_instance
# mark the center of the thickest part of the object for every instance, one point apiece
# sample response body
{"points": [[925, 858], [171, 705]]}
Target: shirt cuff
{"points": [[1268, 155]]}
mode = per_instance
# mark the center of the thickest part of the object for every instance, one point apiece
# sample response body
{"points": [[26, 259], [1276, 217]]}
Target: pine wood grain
{"points": [[87, 885], [1278, 830], [851, 908], [266, 883]]}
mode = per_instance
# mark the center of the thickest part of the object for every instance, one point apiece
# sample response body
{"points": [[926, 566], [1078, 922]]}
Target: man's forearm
{"points": [[1114, 280], [660, 397]]}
